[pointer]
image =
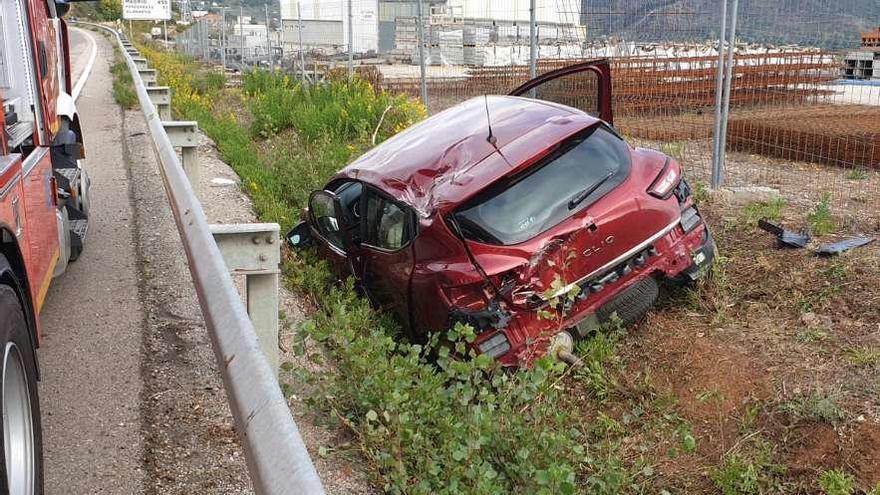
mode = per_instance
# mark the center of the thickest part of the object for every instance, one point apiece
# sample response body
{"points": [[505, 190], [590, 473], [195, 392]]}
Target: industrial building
{"points": [[455, 27], [865, 63]]}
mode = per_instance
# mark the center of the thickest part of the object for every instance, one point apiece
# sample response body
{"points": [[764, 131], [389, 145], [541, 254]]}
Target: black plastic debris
{"points": [[786, 238], [844, 245]]}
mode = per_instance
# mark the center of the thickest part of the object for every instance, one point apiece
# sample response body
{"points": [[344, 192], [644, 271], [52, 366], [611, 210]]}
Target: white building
{"points": [[325, 23], [547, 11]]}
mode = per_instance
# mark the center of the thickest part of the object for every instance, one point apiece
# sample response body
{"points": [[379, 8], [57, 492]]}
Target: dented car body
{"points": [[527, 219]]}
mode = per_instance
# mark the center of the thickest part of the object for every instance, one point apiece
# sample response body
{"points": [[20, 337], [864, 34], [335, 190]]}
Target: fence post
{"points": [[253, 250], [223, 38], [719, 89], [533, 41], [140, 63], [350, 41], [184, 135], [302, 54], [148, 76], [423, 83], [161, 98], [725, 109]]}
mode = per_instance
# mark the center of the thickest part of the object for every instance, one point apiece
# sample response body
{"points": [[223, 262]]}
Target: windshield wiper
{"points": [[581, 196]]}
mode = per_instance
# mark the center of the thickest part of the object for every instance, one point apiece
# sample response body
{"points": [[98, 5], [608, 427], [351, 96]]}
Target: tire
{"points": [[632, 304], [21, 466]]}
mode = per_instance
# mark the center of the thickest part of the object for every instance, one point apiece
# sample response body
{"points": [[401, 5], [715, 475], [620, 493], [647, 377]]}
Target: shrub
{"points": [[820, 219], [836, 482]]}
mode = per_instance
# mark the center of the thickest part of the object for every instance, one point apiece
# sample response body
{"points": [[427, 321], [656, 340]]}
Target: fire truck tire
{"points": [[85, 184], [21, 466]]}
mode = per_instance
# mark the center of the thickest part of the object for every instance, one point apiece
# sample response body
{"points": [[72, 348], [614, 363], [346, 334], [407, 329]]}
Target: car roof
{"points": [[432, 164]]}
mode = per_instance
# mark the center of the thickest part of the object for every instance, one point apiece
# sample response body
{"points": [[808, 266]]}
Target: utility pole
{"points": [[302, 53], [350, 41], [423, 83], [268, 39]]}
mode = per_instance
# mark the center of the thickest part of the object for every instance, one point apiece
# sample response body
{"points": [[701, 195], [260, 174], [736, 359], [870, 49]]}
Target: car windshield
{"points": [[582, 170]]}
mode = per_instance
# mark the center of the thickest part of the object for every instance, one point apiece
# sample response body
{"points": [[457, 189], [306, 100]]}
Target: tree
{"points": [[110, 10]]}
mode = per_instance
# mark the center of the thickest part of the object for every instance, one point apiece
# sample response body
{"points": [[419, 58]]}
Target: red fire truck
{"points": [[44, 209]]}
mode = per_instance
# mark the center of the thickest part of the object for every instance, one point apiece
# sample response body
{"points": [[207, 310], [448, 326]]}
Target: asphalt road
{"points": [[90, 356], [131, 398]]}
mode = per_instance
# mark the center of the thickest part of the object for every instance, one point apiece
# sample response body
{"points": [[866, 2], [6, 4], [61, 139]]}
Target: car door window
{"points": [[387, 224]]}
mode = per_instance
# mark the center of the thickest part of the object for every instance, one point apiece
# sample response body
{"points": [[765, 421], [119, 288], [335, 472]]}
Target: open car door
{"points": [[585, 86]]}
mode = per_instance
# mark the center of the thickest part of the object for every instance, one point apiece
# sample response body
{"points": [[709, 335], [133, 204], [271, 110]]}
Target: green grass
{"points": [[770, 210], [812, 335], [857, 174], [836, 482], [750, 472], [864, 356], [123, 85]]}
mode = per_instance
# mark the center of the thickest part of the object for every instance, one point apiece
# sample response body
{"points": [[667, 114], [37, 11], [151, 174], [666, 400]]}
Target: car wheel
{"points": [[21, 469], [632, 304]]}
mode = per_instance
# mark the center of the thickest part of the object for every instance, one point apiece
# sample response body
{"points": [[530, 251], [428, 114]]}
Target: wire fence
{"points": [[804, 97]]}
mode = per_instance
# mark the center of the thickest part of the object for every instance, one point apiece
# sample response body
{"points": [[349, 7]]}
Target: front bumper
{"points": [[702, 258], [677, 255]]}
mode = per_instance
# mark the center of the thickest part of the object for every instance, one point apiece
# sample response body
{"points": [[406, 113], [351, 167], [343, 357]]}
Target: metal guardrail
{"points": [[277, 459]]}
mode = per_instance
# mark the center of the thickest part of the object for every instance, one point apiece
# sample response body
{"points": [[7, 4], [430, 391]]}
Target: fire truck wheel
{"points": [[21, 468]]}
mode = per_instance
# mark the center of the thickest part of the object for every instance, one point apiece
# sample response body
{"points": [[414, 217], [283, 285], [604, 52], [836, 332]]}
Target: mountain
{"points": [[831, 24]]}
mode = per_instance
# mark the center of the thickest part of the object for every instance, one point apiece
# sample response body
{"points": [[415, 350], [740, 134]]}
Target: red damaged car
{"points": [[532, 221]]}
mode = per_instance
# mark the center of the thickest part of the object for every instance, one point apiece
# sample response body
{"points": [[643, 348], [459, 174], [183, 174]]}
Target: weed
{"points": [[673, 149], [598, 354], [811, 335], [818, 406], [123, 84], [837, 271], [771, 210], [749, 472], [700, 192], [836, 482], [750, 416], [820, 219], [857, 174], [864, 356]]}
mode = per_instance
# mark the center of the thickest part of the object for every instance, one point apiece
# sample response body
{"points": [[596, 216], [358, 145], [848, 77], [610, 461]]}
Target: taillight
{"points": [[666, 180]]}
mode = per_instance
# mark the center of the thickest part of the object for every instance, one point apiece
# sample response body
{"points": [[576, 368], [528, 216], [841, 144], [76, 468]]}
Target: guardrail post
{"points": [[184, 135], [148, 76], [140, 63], [254, 250], [161, 97]]}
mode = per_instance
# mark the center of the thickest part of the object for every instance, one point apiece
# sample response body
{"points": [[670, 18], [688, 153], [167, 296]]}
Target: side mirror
{"points": [[62, 7], [327, 217], [299, 236]]}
